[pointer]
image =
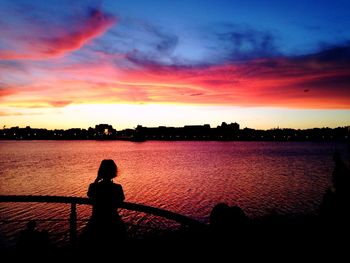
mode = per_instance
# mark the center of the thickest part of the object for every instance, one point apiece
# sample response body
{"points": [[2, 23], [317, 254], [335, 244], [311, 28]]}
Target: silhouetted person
{"points": [[335, 207], [335, 210], [105, 229], [33, 241], [220, 218], [227, 223], [341, 175]]}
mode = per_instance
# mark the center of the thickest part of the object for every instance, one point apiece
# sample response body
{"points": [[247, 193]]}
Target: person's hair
{"points": [[220, 215], [107, 171], [31, 225]]}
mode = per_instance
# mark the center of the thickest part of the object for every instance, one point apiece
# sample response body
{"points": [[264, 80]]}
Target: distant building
{"points": [[234, 126], [197, 130], [104, 130]]}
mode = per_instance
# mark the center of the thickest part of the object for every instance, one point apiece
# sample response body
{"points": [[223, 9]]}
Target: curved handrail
{"points": [[125, 205]]}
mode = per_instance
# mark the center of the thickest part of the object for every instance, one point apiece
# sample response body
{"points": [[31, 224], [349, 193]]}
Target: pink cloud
{"points": [[60, 40], [278, 82]]}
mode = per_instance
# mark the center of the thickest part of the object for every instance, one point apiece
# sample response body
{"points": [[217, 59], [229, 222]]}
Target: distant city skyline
{"points": [[119, 127], [223, 132], [264, 64]]}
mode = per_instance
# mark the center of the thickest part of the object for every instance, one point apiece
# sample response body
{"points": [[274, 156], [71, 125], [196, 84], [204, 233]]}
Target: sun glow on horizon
{"points": [[123, 116]]}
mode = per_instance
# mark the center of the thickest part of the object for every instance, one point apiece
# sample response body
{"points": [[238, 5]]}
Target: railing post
{"points": [[73, 224]]}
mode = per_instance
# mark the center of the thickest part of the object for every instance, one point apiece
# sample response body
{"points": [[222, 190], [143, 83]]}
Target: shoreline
{"points": [[345, 140]]}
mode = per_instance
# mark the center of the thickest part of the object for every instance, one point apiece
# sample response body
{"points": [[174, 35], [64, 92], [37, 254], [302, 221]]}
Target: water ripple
{"points": [[184, 177]]}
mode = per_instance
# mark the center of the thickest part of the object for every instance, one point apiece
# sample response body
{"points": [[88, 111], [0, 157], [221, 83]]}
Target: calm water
{"points": [[184, 177]]}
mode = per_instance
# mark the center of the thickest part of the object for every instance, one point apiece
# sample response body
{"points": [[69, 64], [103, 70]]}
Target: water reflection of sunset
{"points": [[184, 177], [90, 61]]}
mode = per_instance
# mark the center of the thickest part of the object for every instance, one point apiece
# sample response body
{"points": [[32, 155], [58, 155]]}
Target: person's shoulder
{"points": [[92, 189], [92, 185], [117, 186]]}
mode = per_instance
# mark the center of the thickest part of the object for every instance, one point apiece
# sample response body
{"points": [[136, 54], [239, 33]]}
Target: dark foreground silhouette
{"points": [[227, 222], [336, 202], [230, 231], [32, 240], [105, 230]]}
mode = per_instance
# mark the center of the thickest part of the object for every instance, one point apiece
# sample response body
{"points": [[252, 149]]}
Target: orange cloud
{"points": [[60, 103], [3, 114]]}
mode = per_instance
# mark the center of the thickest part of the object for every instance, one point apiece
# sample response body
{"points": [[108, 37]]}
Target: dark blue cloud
{"points": [[335, 54], [146, 43], [138, 41], [236, 43], [14, 14]]}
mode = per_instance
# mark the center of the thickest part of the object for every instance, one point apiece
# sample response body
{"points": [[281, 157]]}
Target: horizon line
{"points": [[274, 128]]}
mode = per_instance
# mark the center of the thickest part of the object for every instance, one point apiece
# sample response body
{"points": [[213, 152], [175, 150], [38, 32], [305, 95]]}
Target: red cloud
{"points": [[277, 82], [65, 40], [6, 92]]}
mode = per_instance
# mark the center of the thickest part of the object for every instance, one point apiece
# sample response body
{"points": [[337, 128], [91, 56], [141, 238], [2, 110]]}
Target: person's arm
{"points": [[122, 196], [91, 190], [119, 194]]}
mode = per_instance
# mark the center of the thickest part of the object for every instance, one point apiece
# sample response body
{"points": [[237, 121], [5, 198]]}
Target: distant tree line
{"points": [[223, 132]]}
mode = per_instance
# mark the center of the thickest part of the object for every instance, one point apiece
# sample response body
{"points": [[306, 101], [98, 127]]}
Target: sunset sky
{"points": [[262, 64]]}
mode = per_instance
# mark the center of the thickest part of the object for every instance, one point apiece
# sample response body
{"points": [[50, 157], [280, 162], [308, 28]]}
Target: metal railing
{"points": [[183, 220]]}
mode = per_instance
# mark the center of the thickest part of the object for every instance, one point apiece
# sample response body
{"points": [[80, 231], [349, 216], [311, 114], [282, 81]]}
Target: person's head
{"points": [[31, 225], [220, 216], [336, 157], [340, 175], [238, 215], [107, 171], [226, 219]]}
